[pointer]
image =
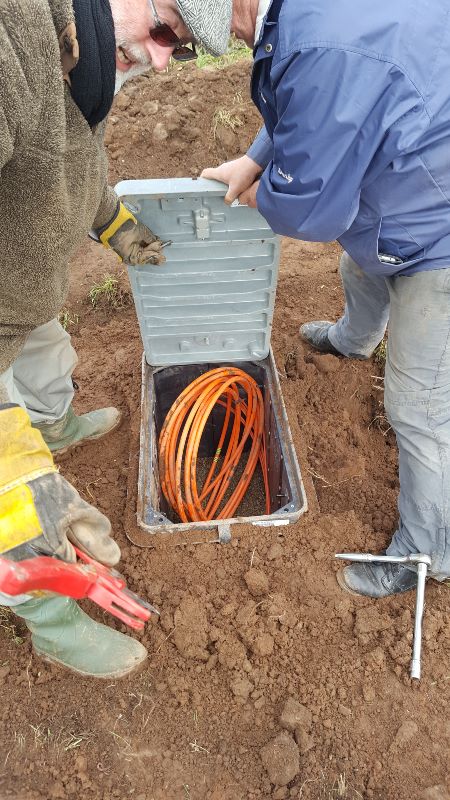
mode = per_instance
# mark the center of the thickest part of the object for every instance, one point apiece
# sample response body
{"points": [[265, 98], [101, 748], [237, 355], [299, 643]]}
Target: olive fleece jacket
{"points": [[53, 171]]}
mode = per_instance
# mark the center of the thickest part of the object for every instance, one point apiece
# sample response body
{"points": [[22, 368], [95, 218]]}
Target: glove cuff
{"points": [[24, 455], [121, 216]]}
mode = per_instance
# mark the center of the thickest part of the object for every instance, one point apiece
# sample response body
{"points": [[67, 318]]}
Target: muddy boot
{"points": [[63, 634], [316, 334], [377, 580], [71, 430]]}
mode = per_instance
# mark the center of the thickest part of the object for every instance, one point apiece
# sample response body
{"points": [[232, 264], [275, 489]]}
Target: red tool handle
{"points": [[43, 572], [92, 580]]}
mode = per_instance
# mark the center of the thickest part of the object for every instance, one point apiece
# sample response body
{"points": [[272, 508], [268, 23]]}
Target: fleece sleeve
{"points": [[7, 133], [334, 109], [18, 114], [107, 207], [109, 200]]}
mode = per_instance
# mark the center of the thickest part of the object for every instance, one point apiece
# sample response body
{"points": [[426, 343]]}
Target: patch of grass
{"points": [[380, 420], [8, 625], [66, 318], [42, 735], [109, 292], [226, 119], [229, 117], [237, 50], [75, 740], [328, 789], [380, 353]]}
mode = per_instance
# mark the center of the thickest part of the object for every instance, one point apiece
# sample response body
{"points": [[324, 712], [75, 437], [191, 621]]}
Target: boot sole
{"points": [[341, 581], [80, 442], [112, 675]]}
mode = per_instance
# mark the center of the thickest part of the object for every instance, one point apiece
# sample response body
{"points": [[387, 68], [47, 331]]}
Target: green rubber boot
{"points": [[63, 634], [59, 436]]}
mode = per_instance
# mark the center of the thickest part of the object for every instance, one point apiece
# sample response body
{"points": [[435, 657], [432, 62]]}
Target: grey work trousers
{"points": [[40, 379], [417, 393]]}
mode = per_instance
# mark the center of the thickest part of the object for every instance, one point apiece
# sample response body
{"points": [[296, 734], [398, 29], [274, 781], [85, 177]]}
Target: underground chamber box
{"points": [[211, 304]]}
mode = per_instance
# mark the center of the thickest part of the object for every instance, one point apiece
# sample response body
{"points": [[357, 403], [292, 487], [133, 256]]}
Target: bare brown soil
{"points": [[232, 646]]}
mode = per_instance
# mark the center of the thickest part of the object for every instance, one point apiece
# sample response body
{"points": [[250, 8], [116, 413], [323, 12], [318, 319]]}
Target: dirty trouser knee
{"points": [[40, 379], [417, 401], [364, 321]]}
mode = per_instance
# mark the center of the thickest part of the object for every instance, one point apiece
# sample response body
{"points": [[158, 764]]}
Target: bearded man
{"points": [[60, 63]]}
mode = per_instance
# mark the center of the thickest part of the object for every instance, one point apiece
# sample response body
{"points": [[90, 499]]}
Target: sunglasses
{"points": [[163, 35]]}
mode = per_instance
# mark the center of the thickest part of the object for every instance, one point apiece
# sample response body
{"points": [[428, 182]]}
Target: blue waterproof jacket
{"points": [[355, 98]]}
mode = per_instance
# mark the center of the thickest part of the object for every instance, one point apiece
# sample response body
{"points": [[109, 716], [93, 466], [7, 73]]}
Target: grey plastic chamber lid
{"points": [[214, 297]]}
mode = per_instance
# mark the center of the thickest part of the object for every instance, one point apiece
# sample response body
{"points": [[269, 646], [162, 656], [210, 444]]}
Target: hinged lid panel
{"points": [[214, 297]]}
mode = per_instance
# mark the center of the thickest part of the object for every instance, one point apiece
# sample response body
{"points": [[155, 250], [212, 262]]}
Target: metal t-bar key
{"points": [[422, 562]]}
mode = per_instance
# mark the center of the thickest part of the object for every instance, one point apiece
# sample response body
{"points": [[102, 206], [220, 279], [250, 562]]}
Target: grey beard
{"points": [[122, 77]]}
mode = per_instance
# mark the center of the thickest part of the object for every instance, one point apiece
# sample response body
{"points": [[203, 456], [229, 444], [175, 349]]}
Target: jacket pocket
{"points": [[364, 243]]}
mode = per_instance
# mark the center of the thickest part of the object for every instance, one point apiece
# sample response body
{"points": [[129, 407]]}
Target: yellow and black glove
{"points": [[133, 242], [40, 512]]}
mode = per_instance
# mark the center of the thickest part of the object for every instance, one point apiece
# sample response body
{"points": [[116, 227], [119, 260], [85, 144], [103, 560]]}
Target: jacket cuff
{"points": [[122, 215], [261, 151], [107, 209]]}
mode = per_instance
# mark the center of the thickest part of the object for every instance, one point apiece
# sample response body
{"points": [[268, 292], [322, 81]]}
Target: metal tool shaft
{"points": [[420, 604], [369, 558]]}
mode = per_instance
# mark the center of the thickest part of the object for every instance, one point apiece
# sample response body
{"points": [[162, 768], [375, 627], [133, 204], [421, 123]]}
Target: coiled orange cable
{"points": [[180, 437]]}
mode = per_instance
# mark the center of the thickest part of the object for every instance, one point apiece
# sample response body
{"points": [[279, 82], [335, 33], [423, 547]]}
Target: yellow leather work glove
{"points": [[133, 242], [40, 512]]}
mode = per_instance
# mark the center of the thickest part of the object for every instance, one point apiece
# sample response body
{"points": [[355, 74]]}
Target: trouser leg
{"points": [[40, 380], [42, 374], [364, 321], [417, 401], [14, 396]]}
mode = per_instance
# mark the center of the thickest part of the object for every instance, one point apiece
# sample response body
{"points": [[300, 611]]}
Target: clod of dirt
{"points": [[435, 793], [405, 733], [257, 582], [281, 759], [232, 653], [295, 715], [275, 551], [368, 693], [376, 658], [160, 133], [263, 645], [369, 620], [226, 137], [195, 103], [304, 740], [325, 363], [122, 102], [281, 610], [191, 629], [241, 688], [149, 108], [280, 793]]}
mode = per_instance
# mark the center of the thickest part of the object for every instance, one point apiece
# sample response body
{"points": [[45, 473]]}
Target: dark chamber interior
{"points": [[168, 383]]}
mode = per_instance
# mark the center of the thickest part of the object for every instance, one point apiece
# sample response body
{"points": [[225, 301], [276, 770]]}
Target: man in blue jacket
{"points": [[356, 147]]}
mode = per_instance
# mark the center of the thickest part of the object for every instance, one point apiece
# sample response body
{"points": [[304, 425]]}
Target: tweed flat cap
{"points": [[209, 21]]}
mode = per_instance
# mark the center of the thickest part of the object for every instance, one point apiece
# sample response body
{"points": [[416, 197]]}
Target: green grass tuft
{"points": [[109, 293], [380, 353]]}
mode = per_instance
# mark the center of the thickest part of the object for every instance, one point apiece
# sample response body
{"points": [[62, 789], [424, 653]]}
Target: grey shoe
{"points": [[71, 430], [377, 580], [316, 334]]}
